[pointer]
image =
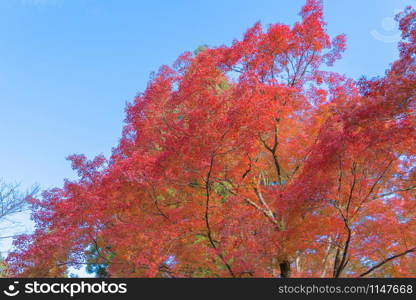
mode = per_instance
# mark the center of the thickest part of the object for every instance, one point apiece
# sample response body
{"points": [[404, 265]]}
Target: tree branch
{"points": [[380, 264]]}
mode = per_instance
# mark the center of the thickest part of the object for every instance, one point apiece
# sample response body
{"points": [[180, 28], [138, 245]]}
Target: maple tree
{"points": [[247, 160]]}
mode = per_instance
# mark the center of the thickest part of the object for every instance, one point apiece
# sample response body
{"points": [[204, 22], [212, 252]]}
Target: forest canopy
{"points": [[247, 160]]}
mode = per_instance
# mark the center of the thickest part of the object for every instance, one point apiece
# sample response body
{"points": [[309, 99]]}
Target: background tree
{"points": [[12, 202]]}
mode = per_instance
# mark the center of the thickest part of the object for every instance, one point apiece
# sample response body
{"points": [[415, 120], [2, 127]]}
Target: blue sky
{"points": [[67, 67]]}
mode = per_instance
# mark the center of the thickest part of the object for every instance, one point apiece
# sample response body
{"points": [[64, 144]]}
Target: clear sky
{"points": [[67, 67]]}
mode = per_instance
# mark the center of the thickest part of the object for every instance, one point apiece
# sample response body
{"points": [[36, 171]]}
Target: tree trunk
{"points": [[285, 269]]}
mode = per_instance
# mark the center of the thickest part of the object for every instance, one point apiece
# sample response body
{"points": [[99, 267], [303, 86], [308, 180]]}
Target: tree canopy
{"points": [[247, 160]]}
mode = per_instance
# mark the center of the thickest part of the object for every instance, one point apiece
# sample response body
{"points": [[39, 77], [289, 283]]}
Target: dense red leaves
{"points": [[248, 160]]}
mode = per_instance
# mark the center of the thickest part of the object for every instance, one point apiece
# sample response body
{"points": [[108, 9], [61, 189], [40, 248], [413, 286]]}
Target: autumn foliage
{"points": [[247, 160]]}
